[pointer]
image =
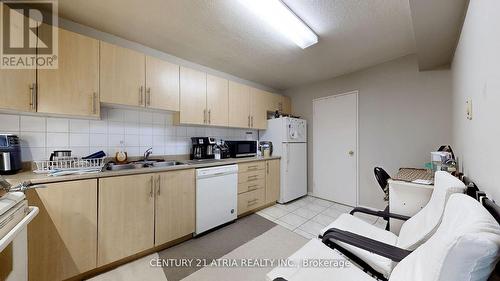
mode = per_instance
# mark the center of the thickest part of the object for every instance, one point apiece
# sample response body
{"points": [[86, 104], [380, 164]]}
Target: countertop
{"points": [[44, 179]]}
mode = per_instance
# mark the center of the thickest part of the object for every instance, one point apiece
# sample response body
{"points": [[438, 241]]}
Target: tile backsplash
{"points": [[137, 130]]}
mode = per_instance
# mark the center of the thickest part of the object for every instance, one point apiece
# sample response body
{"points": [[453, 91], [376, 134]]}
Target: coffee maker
{"points": [[10, 154], [202, 148]]}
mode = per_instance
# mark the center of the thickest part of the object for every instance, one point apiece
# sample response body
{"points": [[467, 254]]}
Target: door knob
{"points": [[351, 153]]}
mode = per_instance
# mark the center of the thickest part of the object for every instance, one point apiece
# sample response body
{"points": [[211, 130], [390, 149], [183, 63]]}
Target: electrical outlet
{"points": [[468, 102]]}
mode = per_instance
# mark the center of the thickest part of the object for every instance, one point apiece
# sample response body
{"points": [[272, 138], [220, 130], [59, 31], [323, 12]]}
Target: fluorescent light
{"points": [[278, 15]]}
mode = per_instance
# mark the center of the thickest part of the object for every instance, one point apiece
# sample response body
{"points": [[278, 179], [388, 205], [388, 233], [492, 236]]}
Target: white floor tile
{"points": [[314, 207], [332, 212], [323, 202], [293, 220], [288, 207], [285, 225], [308, 199], [312, 227], [275, 212], [306, 213], [304, 234], [342, 208], [264, 215], [323, 219]]}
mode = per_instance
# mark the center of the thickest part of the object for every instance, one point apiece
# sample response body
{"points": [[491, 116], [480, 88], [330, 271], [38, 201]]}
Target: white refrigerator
{"points": [[289, 138]]}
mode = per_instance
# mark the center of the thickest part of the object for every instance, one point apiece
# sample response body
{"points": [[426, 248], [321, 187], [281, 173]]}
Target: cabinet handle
{"points": [[252, 122], [148, 96], [209, 116], [141, 90], [253, 187], [32, 96], [159, 185], [94, 103], [151, 187], [248, 121], [252, 178], [204, 116], [252, 202], [267, 167]]}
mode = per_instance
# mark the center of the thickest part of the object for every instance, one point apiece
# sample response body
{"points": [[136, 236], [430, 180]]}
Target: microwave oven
{"points": [[244, 148]]}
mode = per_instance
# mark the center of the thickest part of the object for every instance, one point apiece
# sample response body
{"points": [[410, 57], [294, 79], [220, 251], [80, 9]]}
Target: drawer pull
{"points": [[253, 187]]}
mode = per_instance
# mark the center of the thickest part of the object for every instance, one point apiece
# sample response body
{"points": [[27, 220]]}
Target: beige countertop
{"points": [[43, 178]]}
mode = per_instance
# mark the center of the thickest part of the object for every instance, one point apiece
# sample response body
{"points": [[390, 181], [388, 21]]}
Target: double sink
{"points": [[143, 164]]}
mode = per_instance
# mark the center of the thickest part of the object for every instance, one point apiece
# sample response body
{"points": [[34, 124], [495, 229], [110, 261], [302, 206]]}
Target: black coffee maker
{"points": [[202, 148]]}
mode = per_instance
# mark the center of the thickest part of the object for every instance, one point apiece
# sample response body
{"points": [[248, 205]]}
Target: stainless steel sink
{"points": [[142, 164]]}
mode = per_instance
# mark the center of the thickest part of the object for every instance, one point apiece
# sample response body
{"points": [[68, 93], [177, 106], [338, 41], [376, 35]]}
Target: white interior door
{"points": [[335, 137]]}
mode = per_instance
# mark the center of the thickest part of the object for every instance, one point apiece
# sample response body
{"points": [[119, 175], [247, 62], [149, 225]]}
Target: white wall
{"points": [[137, 129], [476, 74], [403, 115]]}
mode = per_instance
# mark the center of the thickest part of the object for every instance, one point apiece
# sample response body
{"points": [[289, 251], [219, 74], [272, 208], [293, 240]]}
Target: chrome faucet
{"points": [[147, 153]]}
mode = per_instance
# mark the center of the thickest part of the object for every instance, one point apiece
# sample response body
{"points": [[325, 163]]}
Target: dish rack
{"points": [[69, 164]]}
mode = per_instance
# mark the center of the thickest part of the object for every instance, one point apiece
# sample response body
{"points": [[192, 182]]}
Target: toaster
{"points": [[10, 154]]}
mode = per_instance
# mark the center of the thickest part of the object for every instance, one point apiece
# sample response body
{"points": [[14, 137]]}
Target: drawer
{"points": [[251, 166], [251, 185], [251, 176], [251, 200]]}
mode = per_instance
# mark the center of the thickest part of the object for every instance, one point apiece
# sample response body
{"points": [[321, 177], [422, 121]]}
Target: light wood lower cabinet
{"points": [[175, 205], [272, 180], [62, 239], [126, 217]]}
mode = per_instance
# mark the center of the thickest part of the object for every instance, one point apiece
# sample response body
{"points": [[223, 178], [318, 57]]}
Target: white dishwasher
{"points": [[216, 196]]}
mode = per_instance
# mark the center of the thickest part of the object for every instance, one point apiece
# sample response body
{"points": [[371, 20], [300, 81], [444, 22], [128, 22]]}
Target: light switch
{"points": [[468, 102]]}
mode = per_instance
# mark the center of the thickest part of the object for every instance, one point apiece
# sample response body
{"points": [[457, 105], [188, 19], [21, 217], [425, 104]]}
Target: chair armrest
{"points": [[382, 214], [385, 250], [279, 279]]}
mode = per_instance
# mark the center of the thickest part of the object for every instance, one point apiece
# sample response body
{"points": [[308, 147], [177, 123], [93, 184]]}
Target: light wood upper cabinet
{"points": [[287, 104], [258, 109], [272, 180], [275, 102], [126, 217], [62, 238], [72, 88], [122, 75], [162, 84], [239, 105], [193, 96], [217, 101], [175, 205], [18, 89]]}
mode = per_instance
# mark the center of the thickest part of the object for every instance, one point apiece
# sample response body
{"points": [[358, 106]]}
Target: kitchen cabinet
{"points": [[162, 84], [251, 186], [239, 105], [62, 238], [272, 181], [72, 88], [286, 104], [258, 109], [122, 75], [217, 101], [193, 97], [126, 217], [175, 205], [18, 89], [274, 102]]}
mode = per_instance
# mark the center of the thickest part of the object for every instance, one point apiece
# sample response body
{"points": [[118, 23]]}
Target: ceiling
{"points": [[437, 26], [221, 34]]}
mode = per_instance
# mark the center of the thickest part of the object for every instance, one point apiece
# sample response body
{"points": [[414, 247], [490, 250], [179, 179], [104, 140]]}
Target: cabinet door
{"points": [[162, 84], [274, 102], [217, 101], [258, 109], [272, 180], [62, 238], [72, 88], [239, 105], [287, 104], [193, 102], [126, 217], [122, 75], [17, 89], [175, 205]]}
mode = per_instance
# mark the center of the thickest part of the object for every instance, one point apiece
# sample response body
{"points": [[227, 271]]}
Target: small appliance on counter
{"points": [[10, 154], [266, 148], [224, 150], [202, 148], [60, 155], [242, 148]]}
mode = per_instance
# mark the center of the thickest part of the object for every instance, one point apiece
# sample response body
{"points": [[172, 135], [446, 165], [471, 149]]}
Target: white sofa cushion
{"points": [[466, 246], [422, 225], [356, 225], [316, 250]]}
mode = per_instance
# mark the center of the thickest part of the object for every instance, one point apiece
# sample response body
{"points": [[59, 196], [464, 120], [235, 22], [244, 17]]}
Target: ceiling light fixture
{"points": [[278, 15]]}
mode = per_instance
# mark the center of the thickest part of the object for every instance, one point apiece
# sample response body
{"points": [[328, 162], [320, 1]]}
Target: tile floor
{"points": [[308, 215]]}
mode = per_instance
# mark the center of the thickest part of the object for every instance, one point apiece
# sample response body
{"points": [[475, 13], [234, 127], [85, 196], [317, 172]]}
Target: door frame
{"points": [[356, 93]]}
